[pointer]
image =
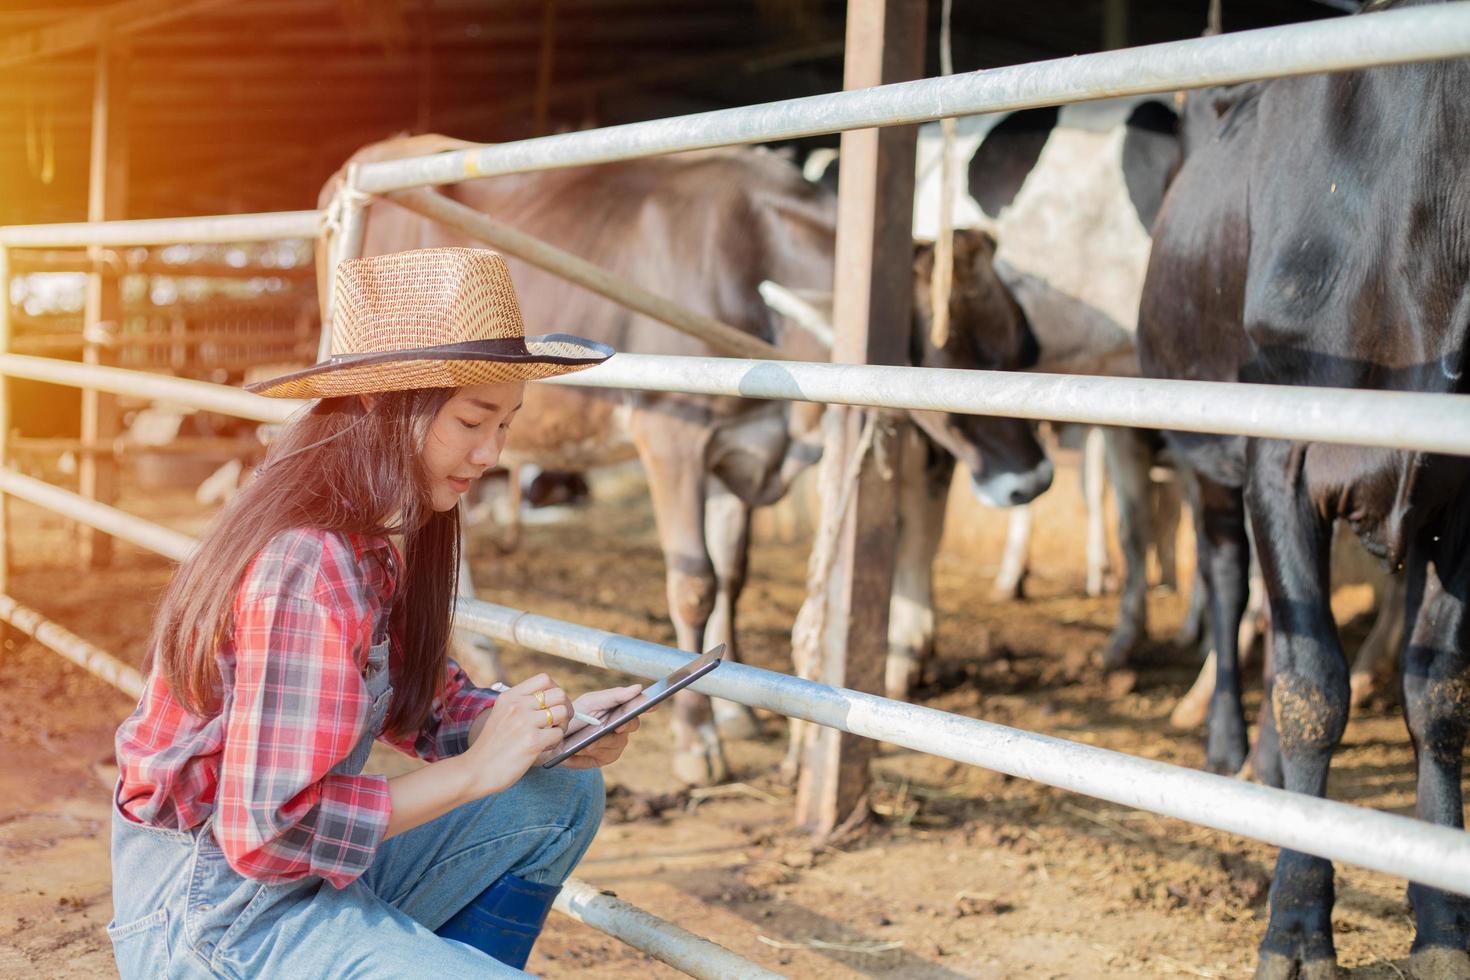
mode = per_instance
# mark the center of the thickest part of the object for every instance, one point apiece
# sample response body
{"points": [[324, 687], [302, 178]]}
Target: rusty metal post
{"points": [[106, 200], [873, 304]]}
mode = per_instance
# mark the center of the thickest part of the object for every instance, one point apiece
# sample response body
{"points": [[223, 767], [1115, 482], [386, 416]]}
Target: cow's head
{"points": [[988, 331]]}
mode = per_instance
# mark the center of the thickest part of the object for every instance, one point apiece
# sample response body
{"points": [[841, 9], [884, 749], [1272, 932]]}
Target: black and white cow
{"points": [[1318, 234], [1069, 194]]}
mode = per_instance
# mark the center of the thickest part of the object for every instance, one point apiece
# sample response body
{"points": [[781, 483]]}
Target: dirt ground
{"points": [[962, 873]]}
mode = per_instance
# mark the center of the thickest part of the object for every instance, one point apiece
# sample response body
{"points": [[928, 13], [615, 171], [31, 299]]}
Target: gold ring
{"points": [[541, 700], [550, 718]]}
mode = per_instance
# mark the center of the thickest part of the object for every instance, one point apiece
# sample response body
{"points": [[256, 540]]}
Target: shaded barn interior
{"points": [[248, 106]]}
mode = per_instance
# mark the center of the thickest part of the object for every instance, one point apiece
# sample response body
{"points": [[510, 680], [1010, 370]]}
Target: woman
{"points": [[247, 842]]}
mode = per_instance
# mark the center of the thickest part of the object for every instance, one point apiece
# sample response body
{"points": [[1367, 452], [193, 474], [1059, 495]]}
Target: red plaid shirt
{"points": [[295, 706]]}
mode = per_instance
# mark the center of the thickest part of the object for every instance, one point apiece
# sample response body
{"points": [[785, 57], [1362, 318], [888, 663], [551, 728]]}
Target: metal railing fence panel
{"points": [[214, 229], [1396, 845], [1381, 38], [1392, 419]]}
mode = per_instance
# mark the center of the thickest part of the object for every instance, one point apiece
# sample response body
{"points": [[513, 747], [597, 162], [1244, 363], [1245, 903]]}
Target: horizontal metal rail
{"points": [[120, 524], [1423, 852], [1385, 842], [202, 395], [664, 941], [1383, 38], [214, 229], [1392, 419], [85, 655]]}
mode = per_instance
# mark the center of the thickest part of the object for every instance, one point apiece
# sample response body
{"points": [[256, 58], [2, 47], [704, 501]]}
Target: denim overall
{"points": [[181, 911]]}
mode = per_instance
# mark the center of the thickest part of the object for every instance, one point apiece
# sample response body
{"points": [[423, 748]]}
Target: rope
{"points": [[834, 483], [344, 200], [942, 279]]}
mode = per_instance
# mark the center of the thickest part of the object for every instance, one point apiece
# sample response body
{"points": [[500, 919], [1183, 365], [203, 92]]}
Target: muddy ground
{"points": [[962, 872]]}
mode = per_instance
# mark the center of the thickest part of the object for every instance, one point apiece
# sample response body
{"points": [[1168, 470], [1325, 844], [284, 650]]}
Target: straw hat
{"points": [[430, 318]]}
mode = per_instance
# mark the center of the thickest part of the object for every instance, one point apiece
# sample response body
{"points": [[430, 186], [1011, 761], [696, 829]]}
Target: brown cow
{"points": [[705, 229]]}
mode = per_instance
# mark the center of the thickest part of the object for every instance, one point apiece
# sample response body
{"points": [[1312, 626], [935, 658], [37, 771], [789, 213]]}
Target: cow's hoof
{"points": [[703, 763], [1225, 756], [900, 673], [1121, 682], [1263, 768], [1189, 714], [1120, 648], [1274, 966], [1006, 589], [1440, 963], [735, 720]]}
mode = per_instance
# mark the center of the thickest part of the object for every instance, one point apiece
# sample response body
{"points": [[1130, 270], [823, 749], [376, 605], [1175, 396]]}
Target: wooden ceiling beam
{"points": [[671, 26], [86, 30]]}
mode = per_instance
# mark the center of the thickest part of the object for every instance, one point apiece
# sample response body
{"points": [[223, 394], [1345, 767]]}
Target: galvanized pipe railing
{"points": [[120, 524], [1393, 419], [200, 395], [83, 653], [1423, 852], [1383, 38], [213, 229], [1384, 842], [662, 940]]}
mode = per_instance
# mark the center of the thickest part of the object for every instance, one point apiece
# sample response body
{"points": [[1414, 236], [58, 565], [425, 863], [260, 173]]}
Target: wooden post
{"points": [[343, 243], [5, 637], [425, 116], [873, 295], [106, 201], [1115, 24], [544, 66]]}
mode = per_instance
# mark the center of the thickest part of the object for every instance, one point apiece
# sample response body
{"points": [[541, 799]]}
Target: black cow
{"points": [[1318, 233]]}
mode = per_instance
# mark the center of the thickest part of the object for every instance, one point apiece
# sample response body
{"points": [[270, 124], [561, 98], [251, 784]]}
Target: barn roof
{"points": [[248, 105]]}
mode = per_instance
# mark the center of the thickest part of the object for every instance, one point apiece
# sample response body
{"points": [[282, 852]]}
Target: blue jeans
{"points": [[181, 911]]}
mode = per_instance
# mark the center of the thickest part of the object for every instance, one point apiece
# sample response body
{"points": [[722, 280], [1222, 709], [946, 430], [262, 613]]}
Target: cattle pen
{"points": [[1392, 844]]}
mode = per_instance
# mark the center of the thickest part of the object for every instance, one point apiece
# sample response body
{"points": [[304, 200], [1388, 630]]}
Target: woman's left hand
{"points": [[606, 750]]}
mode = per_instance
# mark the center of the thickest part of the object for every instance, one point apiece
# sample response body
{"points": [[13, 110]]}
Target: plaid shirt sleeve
{"points": [[447, 731], [300, 706]]}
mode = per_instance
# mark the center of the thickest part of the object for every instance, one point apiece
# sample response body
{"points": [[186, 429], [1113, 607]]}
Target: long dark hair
{"points": [[343, 467]]}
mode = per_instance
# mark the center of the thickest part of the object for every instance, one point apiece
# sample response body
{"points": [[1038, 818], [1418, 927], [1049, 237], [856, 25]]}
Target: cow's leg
{"points": [[1094, 487], [672, 451], [1192, 630], [1010, 581], [1309, 697], [1264, 764], [1193, 708], [1128, 463], [1165, 507], [1375, 660], [727, 539], [1224, 557], [1436, 691], [922, 495]]}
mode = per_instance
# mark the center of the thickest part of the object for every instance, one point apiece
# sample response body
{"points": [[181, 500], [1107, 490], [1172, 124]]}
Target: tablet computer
{"points": [[636, 705]]}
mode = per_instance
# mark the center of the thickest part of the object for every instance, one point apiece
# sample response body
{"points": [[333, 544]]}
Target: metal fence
{"points": [[1433, 855]]}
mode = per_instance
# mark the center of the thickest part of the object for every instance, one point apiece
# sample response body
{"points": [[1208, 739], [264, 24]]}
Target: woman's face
{"points": [[466, 438]]}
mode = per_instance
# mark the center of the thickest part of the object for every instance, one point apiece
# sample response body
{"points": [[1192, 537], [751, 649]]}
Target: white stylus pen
{"points": [[500, 688]]}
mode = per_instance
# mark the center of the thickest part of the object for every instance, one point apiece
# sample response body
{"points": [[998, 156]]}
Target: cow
{"points": [[705, 229], [1318, 233], [1070, 193]]}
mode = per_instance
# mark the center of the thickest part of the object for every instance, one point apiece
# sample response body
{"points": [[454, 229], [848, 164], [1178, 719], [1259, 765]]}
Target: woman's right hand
{"points": [[518, 730]]}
